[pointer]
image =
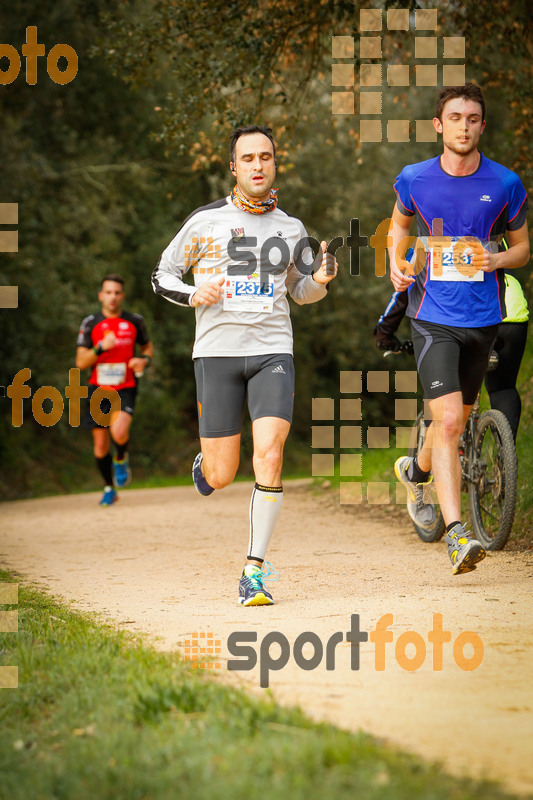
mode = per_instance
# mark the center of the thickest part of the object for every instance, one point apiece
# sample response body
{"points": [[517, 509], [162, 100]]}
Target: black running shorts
{"points": [[451, 359], [127, 399], [223, 383]]}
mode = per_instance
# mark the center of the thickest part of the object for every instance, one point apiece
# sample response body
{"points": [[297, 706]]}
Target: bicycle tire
{"points": [[437, 530], [492, 495]]}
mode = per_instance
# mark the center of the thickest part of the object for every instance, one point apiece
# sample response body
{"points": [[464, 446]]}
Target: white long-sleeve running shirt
{"points": [[261, 256]]}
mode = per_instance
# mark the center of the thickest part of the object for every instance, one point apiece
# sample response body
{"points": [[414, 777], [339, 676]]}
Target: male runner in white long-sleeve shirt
{"points": [[245, 254]]}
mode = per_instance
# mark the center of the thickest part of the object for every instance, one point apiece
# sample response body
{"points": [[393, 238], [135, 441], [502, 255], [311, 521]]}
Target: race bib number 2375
{"points": [[248, 294]]}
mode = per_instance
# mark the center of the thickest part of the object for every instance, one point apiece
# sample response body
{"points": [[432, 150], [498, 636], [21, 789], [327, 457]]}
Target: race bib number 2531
{"points": [[454, 263]]}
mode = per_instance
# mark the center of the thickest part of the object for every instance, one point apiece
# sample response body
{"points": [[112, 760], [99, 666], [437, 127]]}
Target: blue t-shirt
{"points": [[484, 205]]}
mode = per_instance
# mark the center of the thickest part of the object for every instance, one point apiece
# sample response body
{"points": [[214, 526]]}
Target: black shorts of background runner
{"points": [[127, 403], [451, 359], [501, 383], [223, 383]]}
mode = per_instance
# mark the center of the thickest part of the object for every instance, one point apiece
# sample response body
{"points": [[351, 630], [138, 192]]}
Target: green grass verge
{"points": [[99, 715]]}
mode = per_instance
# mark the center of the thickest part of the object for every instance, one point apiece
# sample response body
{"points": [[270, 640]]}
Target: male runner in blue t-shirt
{"points": [[456, 293]]}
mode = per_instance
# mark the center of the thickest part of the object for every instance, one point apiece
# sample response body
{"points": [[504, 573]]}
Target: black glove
{"points": [[387, 341]]}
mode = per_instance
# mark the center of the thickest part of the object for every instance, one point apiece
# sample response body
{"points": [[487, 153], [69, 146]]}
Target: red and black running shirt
{"points": [[111, 369]]}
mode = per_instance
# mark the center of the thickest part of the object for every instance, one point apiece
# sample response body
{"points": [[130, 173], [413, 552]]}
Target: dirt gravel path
{"points": [[166, 562]]}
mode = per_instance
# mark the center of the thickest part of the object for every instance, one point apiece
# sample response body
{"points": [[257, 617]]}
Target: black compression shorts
{"points": [[222, 384], [451, 359], [127, 400]]}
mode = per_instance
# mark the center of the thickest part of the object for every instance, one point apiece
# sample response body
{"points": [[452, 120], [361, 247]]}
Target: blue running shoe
{"points": [[109, 496], [200, 483], [251, 589], [121, 472]]}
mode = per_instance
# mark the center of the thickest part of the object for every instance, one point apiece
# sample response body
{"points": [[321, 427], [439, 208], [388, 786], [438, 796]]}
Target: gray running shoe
{"points": [[464, 551], [422, 514]]}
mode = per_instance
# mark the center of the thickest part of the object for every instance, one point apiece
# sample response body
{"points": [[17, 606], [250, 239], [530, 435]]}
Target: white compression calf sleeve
{"points": [[265, 506]]}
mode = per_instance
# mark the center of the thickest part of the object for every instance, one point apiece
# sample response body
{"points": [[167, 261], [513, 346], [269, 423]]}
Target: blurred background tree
{"points": [[106, 168]]}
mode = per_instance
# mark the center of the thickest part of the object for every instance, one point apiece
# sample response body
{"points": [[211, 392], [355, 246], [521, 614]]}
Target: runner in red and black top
{"points": [[106, 346]]}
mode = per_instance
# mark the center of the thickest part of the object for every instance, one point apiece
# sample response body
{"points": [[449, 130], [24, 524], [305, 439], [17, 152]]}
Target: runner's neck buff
{"points": [[242, 202]]}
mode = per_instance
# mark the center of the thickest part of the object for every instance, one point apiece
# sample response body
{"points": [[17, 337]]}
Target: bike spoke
{"points": [[486, 511]]}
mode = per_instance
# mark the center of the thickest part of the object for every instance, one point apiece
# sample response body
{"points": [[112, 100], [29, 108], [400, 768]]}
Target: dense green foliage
{"points": [[98, 715], [106, 168]]}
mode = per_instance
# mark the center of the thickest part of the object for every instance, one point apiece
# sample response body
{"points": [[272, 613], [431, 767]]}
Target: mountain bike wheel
{"points": [[436, 531], [492, 494]]}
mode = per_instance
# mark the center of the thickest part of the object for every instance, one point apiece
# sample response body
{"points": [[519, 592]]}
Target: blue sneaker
{"points": [[109, 496], [121, 472], [251, 589], [200, 483]]}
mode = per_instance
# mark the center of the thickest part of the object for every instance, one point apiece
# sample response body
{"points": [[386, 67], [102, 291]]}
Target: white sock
{"points": [[265, 506]]}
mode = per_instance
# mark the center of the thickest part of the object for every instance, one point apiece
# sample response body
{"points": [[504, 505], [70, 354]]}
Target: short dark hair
{"points": [[468, 92], [112, 276], [243, 130]]}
